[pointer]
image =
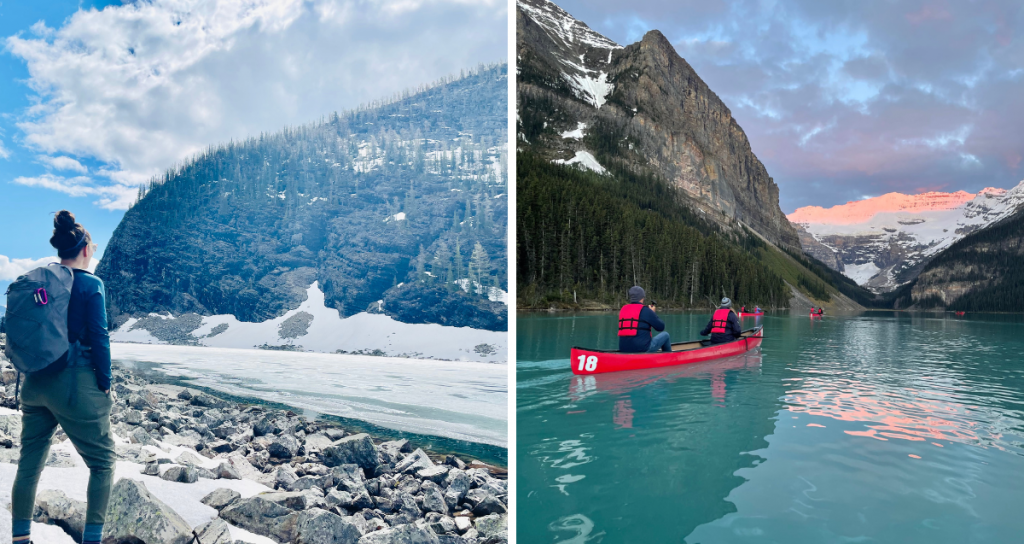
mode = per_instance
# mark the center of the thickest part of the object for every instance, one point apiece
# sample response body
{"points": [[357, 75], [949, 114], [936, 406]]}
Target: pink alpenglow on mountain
{"points": [[859, 211]]}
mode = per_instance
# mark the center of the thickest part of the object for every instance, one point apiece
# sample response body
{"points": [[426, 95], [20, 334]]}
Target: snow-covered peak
{"points": [[583, 53], [860, 211], [879, 241], [563, 27]]}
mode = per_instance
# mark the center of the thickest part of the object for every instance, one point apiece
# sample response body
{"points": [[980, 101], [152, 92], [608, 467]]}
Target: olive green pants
{"points": [[72, 400]]}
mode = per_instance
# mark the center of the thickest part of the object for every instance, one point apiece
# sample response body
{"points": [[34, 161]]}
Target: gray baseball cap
{"points": [[636, 294]]}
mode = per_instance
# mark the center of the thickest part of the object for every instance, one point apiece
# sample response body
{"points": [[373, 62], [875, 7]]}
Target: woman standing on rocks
{"points": [[73, 392]]}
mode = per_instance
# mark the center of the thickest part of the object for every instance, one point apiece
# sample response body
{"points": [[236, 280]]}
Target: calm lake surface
{"points": [[882, 427]]}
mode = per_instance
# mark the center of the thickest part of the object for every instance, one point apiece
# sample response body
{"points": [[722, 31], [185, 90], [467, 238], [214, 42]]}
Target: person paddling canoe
{"points": [[636, 321], [724, 325]]}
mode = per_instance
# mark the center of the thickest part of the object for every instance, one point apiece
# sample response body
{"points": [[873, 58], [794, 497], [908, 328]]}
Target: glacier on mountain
{"points": [[881, 241]]}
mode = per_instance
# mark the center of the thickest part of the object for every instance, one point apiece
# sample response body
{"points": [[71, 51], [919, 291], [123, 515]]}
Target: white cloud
{"points": [[110, 197], [10, 269], [4, 152], [145, 85], [63, 163]]}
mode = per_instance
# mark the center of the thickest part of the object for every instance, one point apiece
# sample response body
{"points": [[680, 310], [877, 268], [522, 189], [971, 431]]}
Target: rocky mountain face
{"points": [[377, 206], [886, 241], [584, 100]]}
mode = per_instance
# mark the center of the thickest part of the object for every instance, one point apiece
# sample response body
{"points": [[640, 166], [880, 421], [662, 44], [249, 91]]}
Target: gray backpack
{"points": [[37, 317]]}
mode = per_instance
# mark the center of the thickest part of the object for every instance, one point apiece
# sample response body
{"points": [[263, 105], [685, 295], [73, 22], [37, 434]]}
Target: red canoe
{"points": [[748, 314], [594, 361], [816, 315]]}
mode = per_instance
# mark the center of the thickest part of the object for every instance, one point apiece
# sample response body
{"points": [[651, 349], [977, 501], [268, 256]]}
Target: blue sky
{"points": [[98, 97], [847, 99]]}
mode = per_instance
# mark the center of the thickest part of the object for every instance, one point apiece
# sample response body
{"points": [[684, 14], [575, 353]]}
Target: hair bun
{"points": [[64, 221]]}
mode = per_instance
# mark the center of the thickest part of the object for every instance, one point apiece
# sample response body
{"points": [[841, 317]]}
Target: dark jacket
{"points": [[732, 330], [87, 323], [642, 341]]}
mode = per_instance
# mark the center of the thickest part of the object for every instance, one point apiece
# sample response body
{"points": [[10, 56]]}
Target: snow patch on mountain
{"points": [[879, 238], [326, 332], [592, 89], [585, 160], [861, 273], [575, 134], [494, 294]]}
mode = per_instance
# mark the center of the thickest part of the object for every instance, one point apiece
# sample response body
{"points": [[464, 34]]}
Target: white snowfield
{"points": [[585, 160], [922, 230], [454, 399], [329, 333], [180, 497]]}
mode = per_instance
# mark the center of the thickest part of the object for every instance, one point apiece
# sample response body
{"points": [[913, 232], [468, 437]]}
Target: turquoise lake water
{"points": [[882, 427]]}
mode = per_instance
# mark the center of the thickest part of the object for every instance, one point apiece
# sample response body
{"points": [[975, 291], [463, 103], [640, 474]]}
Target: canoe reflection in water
{"points": [[622, 383]]}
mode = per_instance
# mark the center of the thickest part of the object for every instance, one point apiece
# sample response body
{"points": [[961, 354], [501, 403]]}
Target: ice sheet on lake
{"points": [[454, 399]]}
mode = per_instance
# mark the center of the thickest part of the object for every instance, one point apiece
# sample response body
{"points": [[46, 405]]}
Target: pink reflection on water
{"points": [[925, 416], [622, 414]]}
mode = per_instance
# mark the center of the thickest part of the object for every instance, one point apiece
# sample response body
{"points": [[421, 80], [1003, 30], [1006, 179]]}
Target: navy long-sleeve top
{"points": [[732, 330], [642, 341], [87, 323]]}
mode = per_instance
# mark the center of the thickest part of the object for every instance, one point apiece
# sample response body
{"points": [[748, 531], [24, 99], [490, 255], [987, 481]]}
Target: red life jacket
{"points": [[720, 321], [629, 319]]}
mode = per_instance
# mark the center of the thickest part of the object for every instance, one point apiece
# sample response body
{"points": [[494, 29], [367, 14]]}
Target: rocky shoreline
{"points": [[286, 479]]}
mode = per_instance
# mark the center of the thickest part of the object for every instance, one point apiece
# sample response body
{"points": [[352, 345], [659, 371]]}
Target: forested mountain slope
{"points": [[400, 207], [981, 272]]}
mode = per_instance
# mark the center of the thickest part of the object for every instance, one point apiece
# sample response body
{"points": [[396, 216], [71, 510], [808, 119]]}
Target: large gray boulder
{"points": [[357, 449], [284, 447], [436, 473], [433, 501], [484, 502], [296, 500], [56, 508], [402, 534], [316, 526], [215, 531], [134, 515], [219, 498], [493, 525], [414, 462], [263, 517], [349, 478], [178, 473]]}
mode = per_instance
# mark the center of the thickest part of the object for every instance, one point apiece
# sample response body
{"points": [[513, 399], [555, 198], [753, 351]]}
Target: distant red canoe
{"points": [[816, 315], [961, 313], [593, 361], [749, 314]]}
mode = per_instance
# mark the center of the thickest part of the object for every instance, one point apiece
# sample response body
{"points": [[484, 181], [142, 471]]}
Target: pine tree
{"points": [[480, 265]]}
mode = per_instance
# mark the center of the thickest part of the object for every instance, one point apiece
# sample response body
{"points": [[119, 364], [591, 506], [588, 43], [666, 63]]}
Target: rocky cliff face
{"points": [[584, 100], [374, 205], [886, 241]]}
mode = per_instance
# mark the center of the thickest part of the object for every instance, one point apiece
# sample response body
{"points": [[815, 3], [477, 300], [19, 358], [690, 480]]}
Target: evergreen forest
{"points": [[400, 206]]}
